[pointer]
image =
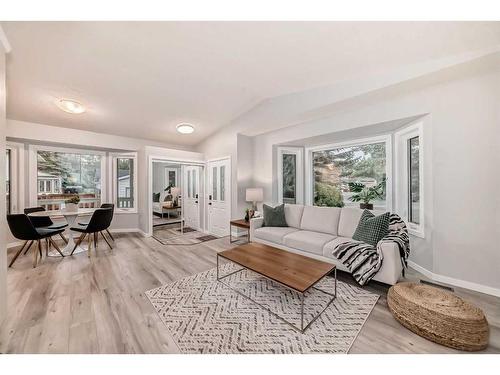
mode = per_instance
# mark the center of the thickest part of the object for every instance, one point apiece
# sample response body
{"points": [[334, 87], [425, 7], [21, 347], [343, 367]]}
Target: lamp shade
{"points": [[254, 195]]}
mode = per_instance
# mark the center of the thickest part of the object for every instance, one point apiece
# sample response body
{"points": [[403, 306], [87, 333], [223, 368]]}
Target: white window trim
{"points": [[16, 175], [401, 181], [113, 158], [299, 167], [356, 142], [33, 173]]}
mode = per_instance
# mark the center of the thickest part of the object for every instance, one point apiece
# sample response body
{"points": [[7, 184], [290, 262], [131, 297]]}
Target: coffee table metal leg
{"points": [[302, 312], [302, 328]]}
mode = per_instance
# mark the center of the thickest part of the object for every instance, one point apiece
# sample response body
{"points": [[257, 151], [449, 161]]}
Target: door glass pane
{"points": [[214, 183], [414, 180], [340, 172], [125, 182], [289, 178], [195, 186], [222, 185], [189, 184], [68, 175], [7, 181]]}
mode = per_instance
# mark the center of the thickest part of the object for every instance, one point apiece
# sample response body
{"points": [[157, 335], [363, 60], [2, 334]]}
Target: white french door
{"points": [[219, 197], [191, 196]]}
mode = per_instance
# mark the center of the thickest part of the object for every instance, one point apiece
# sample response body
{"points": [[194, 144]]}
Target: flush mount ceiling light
{"points": [[70, 106], [185, 128]]}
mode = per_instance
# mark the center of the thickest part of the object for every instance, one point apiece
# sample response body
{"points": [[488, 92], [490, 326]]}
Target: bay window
{"points": [[290, 175], [409, 181], [57, 174], [334, 168], [125, 182]]}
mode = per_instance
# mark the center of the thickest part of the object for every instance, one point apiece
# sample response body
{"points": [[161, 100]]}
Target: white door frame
{"points": [[228, 192], [164, 159]]}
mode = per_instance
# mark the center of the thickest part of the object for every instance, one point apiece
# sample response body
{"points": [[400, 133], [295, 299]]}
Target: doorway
{"points": [[219, 196]]}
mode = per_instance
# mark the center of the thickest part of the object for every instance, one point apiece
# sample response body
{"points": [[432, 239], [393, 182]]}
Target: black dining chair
{"points": [[99, 222], [44, 221], [22, 228], [105, 205]]}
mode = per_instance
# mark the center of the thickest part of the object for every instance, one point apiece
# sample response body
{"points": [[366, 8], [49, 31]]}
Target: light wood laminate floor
{"points": [[77, 305]]}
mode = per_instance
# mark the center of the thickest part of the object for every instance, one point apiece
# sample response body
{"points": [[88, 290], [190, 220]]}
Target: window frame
{"points": [[16, 176], [402, 137], [33, 172], [386, 138], [299, 168], [113, 157]]}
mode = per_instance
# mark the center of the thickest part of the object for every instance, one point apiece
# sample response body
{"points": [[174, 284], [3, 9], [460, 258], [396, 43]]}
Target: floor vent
{"points": [[437, 285]]}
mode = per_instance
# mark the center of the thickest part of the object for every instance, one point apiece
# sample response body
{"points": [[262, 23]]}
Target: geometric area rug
{"points": [[205, 316]]}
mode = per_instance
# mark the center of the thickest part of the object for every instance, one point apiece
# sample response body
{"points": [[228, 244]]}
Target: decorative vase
{"points": [[71, 207], [366, 206], [247, 217]]}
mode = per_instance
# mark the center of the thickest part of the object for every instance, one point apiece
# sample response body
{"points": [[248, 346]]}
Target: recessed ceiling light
{"points": [[70, 106], [185, 128]]}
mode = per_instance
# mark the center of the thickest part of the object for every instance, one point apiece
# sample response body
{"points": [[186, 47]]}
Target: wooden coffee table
{"points": [[293, 271]]}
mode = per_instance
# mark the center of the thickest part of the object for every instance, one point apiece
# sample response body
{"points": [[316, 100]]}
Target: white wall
{"points": [[462, 136], [3, 224], [461, 139]]}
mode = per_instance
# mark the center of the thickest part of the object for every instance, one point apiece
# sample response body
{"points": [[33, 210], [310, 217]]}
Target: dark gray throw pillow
{"points": [[156, 197], [274, 216], [371, 228]]}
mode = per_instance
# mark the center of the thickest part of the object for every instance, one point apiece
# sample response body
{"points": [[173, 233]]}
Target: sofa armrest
{"points": [[391, 268], [255, 223]]}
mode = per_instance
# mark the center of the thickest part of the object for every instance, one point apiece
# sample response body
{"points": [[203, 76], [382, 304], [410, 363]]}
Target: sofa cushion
{"points": [[308, 241], [293, 214], [321, 219], [371, 228], [349, 219], [273, 234], [274, 216], [329, 246]]}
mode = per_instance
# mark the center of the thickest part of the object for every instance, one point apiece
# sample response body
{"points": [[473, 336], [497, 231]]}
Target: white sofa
{"points": [[315, 231]]}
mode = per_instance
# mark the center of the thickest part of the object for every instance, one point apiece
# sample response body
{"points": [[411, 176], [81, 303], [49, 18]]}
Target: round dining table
{"points": [[70, 216]]}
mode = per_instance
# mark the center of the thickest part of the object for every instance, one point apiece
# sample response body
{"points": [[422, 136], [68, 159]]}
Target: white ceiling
{"points": [[140, 79]]}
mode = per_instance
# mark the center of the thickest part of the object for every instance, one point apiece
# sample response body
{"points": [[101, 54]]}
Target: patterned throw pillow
{"points": [[274, 216], [371, 228]]}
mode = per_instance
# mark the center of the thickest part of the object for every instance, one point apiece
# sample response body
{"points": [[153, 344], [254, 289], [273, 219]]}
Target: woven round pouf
{"points": [[439, 316]]}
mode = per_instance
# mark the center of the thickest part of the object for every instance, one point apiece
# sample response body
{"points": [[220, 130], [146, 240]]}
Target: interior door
{"points": [[219, 197], [191, 195]]}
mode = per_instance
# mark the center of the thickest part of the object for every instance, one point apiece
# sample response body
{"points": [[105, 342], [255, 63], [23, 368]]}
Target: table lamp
{"points": [[254, 195]]}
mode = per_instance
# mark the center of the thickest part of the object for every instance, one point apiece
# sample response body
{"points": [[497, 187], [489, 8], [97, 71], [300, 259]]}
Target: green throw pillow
{"points": [[371, 228], [274, 216]]}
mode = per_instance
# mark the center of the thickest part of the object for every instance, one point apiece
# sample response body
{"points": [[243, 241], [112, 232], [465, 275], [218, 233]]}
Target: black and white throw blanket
{"points": [[364, 260]]}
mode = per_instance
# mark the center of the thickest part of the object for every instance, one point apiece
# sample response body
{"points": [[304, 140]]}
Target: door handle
{"points": [[210, 204], [195, 201], [196, 196]]}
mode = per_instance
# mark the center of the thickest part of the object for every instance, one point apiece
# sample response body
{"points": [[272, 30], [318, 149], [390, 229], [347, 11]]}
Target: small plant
{"points": [[75, 199], [366, 194]]}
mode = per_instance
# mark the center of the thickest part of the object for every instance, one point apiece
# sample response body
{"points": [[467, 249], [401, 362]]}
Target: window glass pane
{"points": [[335, 169], [7, 181], [172, 178], [222, 185], [189, 184], [69, 174], [289, 178], [214, 183], [125, 183], [414, 180]]}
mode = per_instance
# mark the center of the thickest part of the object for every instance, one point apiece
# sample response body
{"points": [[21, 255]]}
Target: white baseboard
{"points": [[455, 282]]}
